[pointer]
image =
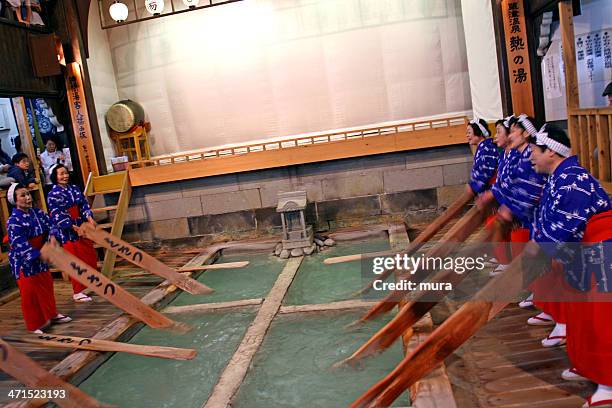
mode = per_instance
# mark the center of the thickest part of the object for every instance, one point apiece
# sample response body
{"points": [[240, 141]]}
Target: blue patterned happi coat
{"points": [[59, 200], [485, 164]]}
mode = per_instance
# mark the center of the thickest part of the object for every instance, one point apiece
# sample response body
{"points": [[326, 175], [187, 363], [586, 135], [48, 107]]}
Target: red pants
{"points": [[589, 332], [551, 285], [37, 299], [500, 248], [84, 250]]}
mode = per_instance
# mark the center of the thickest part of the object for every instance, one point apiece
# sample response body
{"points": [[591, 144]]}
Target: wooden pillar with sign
{"points": [[80, 120], [517, 56]]}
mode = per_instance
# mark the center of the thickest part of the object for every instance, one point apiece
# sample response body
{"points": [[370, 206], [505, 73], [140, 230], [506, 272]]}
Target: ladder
{"points": [[110, 184]]}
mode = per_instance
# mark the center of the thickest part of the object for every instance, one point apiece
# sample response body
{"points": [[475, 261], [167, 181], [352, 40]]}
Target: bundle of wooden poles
{"points": [[460, 326]]}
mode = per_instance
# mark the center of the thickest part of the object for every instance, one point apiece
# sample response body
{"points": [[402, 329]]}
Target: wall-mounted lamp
{"points": [[118, 11]]}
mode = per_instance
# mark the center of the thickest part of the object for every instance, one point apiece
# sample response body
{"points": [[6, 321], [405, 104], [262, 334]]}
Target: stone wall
{"points": [[408, 185]]}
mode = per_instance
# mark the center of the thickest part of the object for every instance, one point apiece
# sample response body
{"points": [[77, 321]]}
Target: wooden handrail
{"points": [[301, 141]]}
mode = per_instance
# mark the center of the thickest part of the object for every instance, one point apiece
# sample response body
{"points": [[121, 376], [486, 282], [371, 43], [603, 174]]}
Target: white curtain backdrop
{"points": [[482, 58], [261, 69]]}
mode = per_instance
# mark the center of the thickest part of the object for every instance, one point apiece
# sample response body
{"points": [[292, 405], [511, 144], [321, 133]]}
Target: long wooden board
{"points": [[140, 258], [83, 343], [104, 287], [24, 369]]}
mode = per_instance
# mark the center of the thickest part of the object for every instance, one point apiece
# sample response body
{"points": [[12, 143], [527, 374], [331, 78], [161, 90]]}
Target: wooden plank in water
{"points": [[24, 369], [236, 369], [212, 307], [326, 307], [83, 343]]}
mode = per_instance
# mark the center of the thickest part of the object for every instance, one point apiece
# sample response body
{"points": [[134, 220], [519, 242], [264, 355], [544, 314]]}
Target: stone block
{"points": [[137, 232], [230, 202], [457, 173], [170, 209], [401, 203], [135, 213], [413, 179], [268, 191], [215, 224], [314, 190], [355, 186], [348, 208], [267, 218], [448, 194], [255, 179], [438, 156], [210, 185], [156, 192], [170, 229]]}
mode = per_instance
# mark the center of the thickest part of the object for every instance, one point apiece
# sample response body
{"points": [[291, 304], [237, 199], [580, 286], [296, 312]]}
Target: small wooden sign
{"points": [[517, 54], [80, 120]]}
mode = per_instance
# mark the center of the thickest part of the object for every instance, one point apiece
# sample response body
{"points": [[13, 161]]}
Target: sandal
{"points": [[60, 318], [571, 374], [81, 298], [540, 321], [602, 403], [527, 303], [553, 341]]}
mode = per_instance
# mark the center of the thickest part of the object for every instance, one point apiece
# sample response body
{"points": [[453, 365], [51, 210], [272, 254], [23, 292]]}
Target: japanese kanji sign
{"points": [[518, 56], [80, 120]]}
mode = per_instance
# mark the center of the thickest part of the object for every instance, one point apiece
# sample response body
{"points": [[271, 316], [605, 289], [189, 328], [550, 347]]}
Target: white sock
{"points": [[603, 392], [559, 330]]}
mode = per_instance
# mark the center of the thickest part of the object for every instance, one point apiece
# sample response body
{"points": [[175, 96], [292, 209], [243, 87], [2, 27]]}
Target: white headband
{"points": [[542, 139], [484, 130], [10, 194], [507, 121], [53, 168], [529, 127]]}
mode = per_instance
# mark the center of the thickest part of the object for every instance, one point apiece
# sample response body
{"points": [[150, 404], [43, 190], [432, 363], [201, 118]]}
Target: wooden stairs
{"points": [[108, 187]]}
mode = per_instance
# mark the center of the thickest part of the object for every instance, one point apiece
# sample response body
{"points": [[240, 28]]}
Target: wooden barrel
{"points": [[124, 115]]}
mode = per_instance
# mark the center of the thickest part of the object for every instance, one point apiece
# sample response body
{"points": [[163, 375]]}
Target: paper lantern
{"points": [[154, 7], [118, 11]]}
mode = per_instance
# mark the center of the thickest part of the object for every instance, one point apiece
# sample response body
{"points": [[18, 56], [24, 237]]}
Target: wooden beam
{"points": [[213, 307], [566, 21], [517, 52], [311, 153], [81, 343]]}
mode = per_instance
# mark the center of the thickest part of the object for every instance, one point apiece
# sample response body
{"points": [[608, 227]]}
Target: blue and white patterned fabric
{"points": [[520, 187], [23, 226], [485, 164], [571, 197], [59, 200]]}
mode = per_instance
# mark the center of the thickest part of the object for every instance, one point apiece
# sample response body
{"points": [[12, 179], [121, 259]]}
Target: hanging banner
{"points": [[80, 120], [517, 54]]}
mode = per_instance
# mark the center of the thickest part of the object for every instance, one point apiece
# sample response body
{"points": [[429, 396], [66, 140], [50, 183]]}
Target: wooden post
{"points": [[572, 97], [80, 120], [517, 53]]}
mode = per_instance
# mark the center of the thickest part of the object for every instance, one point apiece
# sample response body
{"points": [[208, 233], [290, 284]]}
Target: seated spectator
{"points": [[20, 171]]}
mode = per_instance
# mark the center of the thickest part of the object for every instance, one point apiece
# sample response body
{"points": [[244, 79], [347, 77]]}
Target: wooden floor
{"points": [[88, 318]]}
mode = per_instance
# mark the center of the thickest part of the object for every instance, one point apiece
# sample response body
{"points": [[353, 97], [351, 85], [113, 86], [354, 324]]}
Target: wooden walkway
{"points": [[88, 318]]}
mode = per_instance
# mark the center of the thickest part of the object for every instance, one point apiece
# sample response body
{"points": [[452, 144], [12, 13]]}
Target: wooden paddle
{"points": [[421, 302], [469, 223], [141, 259], [227, 265], [455, 331], [81, 343], [27, 371], [104, 287], [432, 229]]}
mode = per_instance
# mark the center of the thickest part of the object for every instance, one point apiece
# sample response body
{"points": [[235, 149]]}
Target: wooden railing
{"points": [[591, 136], [352, 135]]}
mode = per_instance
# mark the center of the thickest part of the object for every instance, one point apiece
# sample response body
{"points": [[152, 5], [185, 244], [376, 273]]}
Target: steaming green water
{"points": [[130, 381], [253, 281], [292, 367], [320, 283]]}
